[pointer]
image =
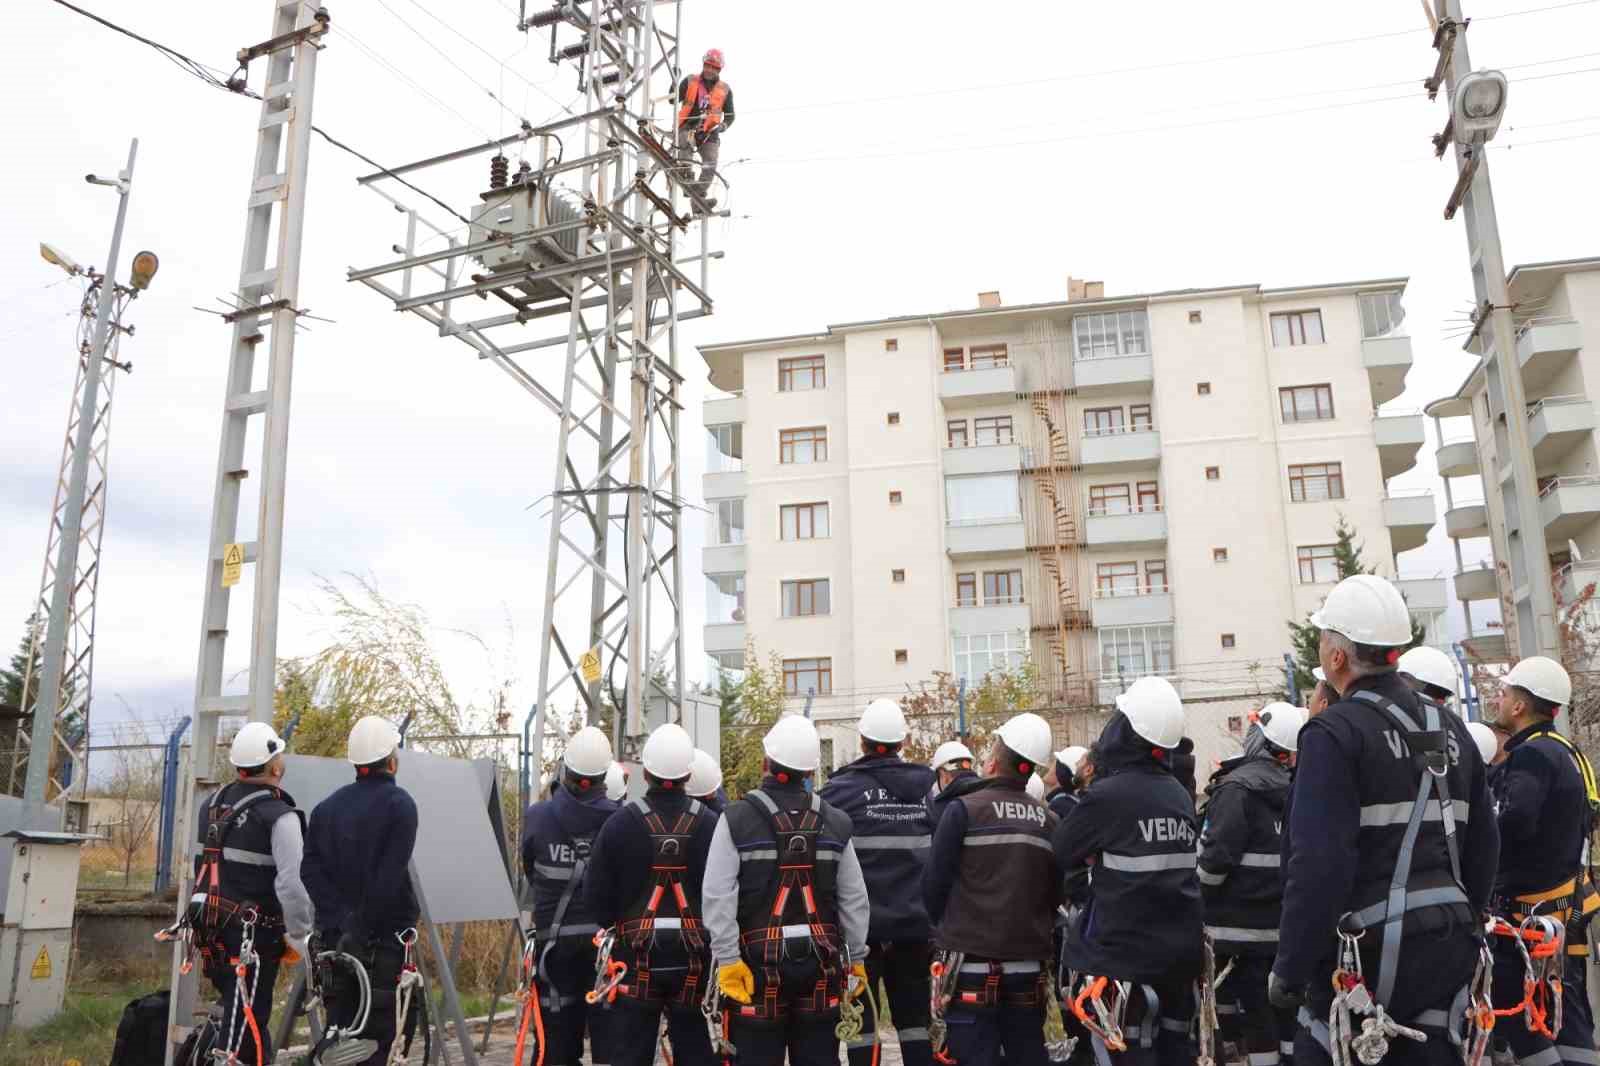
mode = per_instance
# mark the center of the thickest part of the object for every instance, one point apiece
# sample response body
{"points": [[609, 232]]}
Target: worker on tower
{"points": [[252, 840], [1546, 801], [1061, 782], [705, 782], [883, 796], [357, 866], [992, 887], [1240, 882], [1140, 934], [705, 110], [952, 762], [786, 906], [557, 837], [1430, 673], [643, 886], [1390, 851]]}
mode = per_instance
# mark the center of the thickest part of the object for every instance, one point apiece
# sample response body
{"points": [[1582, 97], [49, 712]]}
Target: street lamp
{"points": [[60, 259], [145, 265], [1478, 106]]}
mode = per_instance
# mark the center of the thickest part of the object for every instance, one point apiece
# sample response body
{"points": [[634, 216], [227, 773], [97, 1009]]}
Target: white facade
{"points": [[1101, 484], [1557, 312]]}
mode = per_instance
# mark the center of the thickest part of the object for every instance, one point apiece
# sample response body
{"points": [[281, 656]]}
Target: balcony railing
{"points": [[1114, 592], [1082, 357], [1569, 482], [1523, 328], [992, 601], [979, 444], [984, 520], [1143, 508], [1556, 401], [1117, 431]]}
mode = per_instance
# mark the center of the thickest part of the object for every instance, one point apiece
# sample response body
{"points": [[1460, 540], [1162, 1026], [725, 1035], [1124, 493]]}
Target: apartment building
{"points": [[1557, 311], [1108, 486]]}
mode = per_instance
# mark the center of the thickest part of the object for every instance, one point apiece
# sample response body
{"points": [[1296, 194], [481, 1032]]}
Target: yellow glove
{"points": [[736, 981], [858, 984]]}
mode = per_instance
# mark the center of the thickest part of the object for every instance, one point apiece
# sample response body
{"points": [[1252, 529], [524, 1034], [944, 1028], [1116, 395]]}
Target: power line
{"points": [[400, 75], [463, 71], [510, 70]]}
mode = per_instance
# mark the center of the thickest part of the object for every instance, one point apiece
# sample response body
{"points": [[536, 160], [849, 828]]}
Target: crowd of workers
{"points": [[1372, 879]]}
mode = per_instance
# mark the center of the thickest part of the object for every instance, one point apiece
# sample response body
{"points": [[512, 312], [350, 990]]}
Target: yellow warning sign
{"points": [[41, 965], [232, 563], [589, 663]]}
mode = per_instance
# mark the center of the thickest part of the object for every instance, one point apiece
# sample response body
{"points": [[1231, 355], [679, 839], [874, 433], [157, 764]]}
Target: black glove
{"points": [[1281, 994]]}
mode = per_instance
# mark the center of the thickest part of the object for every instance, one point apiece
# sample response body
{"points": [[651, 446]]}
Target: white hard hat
{"points": [[950, 751], [669, 752], [1072, 757], [255, 745], [883, 721], [1154, 710], [372, 739], [1430, 666], [1485, 739], [616, 781], [1280, 723], [1035, 786], [1317, 672], [1029, 736], [588, 753], [705, 777], [1368, 610], [793, 742], [1543, 677]]}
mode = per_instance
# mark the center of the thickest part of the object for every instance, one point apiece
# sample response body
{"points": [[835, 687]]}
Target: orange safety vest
{"points": [[692, 97]]}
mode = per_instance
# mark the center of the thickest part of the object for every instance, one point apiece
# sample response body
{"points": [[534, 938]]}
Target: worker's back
{"points": [[358, 857]]}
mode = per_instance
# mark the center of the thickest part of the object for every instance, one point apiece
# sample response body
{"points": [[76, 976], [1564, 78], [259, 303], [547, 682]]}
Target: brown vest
{"points": [[1004, 900]]}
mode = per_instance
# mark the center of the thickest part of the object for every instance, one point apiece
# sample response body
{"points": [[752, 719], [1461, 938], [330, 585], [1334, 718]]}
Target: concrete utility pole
{"points": [[42, 731], [1525, 539]]}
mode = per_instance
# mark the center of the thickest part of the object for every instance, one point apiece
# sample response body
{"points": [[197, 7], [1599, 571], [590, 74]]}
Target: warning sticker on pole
{"points": [[41, 965], [589, 663], [232, 563]]}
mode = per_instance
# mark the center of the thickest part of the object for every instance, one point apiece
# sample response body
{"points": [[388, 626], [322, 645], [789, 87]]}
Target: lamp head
{"points": [[1478, 106], [145, 265], [59, 258]]}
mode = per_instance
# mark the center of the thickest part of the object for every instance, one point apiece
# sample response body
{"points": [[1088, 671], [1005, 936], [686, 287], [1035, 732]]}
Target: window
{"points": [[1235, 724], [1155, 575], [1149, 496], [1316, 481], [1227, 640], [809, 445], [802, 676], [727, 521], [1219, 555], [895, 496], [803, 598], [1002, 586], [1306, 403], [1292, 328], [1139, 417], [996, 430], [1213, 473], [894, 418], [1108, 499], [901, 656], [1111, 333], [1317, 564], [725, 449], [724, 599], [966, 590], [987, 356], [1098, 421], [1194, 318], [802, 373], [1131, 652], [802, 521], [1381, 314], [955, 432], [1116, 579], [1203, 388], [897, 576], [978, 654], [954, 359], [891, 344], [982, 497]]}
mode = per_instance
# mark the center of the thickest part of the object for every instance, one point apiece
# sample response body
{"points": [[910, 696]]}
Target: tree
{"points": [[750, 706], [1305, 636], [13, 678], [134, 787], [933, 711]]}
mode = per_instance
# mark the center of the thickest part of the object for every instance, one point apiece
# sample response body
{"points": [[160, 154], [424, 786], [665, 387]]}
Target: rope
{"points": [[529, 993]]}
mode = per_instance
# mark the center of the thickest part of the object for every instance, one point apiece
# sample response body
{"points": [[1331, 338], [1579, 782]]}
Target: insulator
{"points": [[524, 174], [573, 51], [499, 170], [548, 17], [611, 78]]}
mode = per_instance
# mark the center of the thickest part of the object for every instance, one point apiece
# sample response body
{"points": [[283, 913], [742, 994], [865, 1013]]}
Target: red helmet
{"points": [[713, 58]]}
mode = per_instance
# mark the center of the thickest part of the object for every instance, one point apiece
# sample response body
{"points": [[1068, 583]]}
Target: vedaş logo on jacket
{"points": [[1153, 829], [1021, 811]]}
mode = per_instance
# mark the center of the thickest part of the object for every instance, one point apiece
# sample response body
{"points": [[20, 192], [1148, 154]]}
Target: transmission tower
{"points": [[597, 230]]}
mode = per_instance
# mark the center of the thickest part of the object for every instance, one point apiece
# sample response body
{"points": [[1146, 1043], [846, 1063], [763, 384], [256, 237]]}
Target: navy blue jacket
{"points": [[358, 856], [1061, 802], [717, 802], [938, 799], [1543, 812], [555, 834], [619, 863], [892, 831]]}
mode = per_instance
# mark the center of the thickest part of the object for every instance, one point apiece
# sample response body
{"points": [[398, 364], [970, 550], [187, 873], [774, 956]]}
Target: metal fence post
{"points": [[169, 807]]}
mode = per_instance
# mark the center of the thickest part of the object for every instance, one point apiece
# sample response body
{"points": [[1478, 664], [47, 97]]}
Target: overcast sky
{"points": [[889, 158]]}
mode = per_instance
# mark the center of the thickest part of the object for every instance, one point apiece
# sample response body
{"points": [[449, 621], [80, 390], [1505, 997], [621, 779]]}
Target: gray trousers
{"points": [[709, 148]]}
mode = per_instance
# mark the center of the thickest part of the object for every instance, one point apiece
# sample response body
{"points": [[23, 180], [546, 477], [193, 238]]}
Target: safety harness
{"points": [[528, 993], [340, 1045], [549, 998], [410, 1008], [669, 863]]}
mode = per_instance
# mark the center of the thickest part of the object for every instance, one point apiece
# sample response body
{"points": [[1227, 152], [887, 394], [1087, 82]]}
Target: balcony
{"points": [[1387, 360], [974, 388], [1424, 595], [989, 618], [1464, 520], [1543, 348], [1117, 373], [1487, 648], [722, 559], [1557, 424], [1480, 582], [1132, 606], [1409, 516], [1574, 578], [976, 539], [983, 459], [1122, 448], [726, 637], [1457, 458], [727, 410], [1568, 504], [1399, 439], [1132, 528]]}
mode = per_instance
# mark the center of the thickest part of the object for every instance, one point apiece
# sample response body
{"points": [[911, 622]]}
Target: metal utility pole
{"points": [[1525, 539], [70, 510]]}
